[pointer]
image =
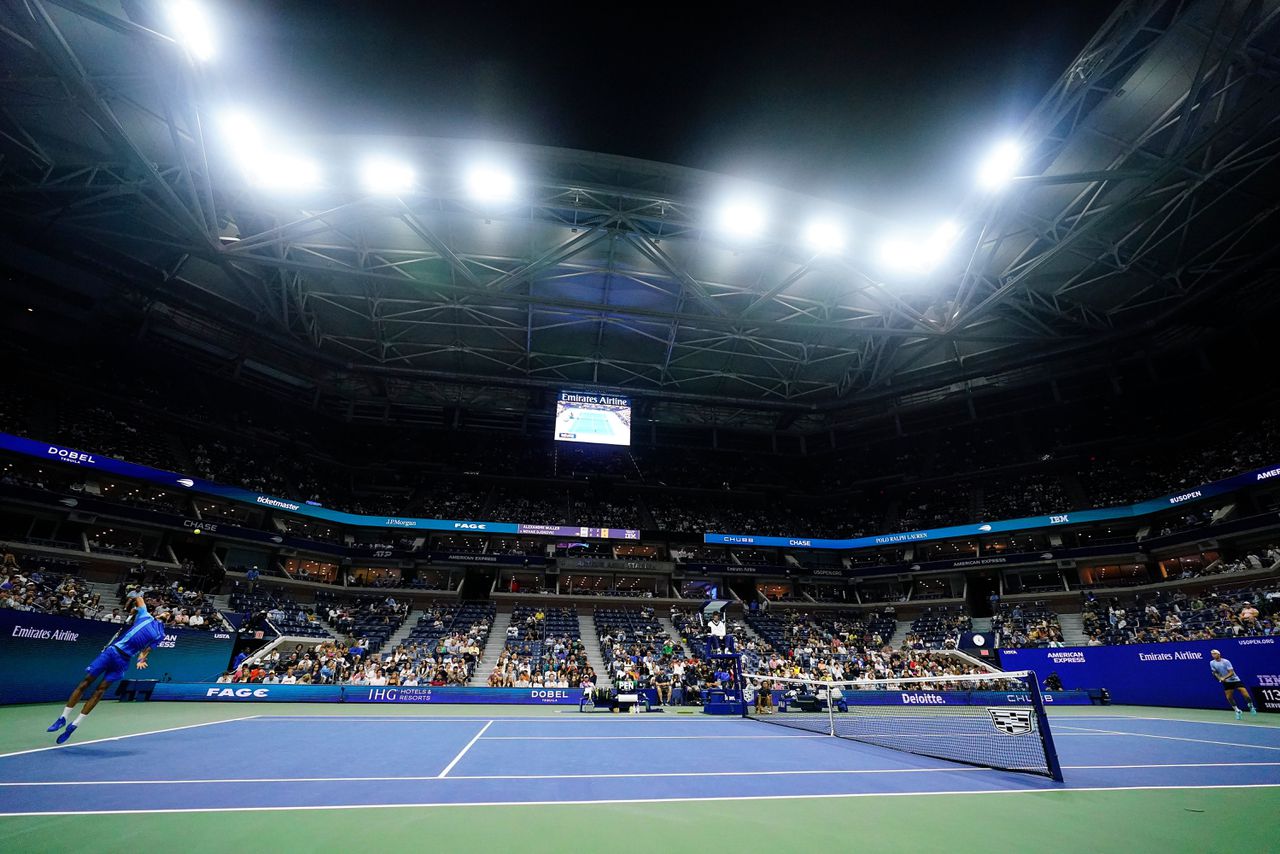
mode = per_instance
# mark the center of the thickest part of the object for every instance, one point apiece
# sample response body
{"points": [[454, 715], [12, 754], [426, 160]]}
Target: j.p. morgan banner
{"points": [[260, 693], [42, 656], [1155, 674]]}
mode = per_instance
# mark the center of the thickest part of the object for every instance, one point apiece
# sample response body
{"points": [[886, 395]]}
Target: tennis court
{"points": [[270, 759]]}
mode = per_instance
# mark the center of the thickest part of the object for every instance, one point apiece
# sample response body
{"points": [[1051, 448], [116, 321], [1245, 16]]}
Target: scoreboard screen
{"points": [[597, 419]]}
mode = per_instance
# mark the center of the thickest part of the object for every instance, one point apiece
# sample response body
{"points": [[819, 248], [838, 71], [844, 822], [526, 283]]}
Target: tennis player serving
{"points": [[1225, 673], [111, 664]]}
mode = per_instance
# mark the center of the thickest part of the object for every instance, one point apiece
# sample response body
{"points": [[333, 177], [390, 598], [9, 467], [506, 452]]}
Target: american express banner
{"points": [[1156, 674], [264, 693], [42, 656]]}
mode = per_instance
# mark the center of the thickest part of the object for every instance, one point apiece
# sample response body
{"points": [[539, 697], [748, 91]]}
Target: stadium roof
{"points": [[1147, 194]]}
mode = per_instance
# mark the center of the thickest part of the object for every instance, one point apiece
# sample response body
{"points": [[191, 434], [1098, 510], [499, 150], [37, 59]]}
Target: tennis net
{"points": [[996, 720]]}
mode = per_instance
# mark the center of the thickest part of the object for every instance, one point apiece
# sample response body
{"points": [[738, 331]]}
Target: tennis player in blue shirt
{"points": [[111, 664], [1225, 673]]}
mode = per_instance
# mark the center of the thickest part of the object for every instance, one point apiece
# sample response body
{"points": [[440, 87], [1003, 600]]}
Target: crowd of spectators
{"points": [[543, 649], [1177, 615], [1026, 625]]}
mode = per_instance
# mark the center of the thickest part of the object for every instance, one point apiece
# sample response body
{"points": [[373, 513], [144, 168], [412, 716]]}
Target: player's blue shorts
{"points": [[110, 664]]}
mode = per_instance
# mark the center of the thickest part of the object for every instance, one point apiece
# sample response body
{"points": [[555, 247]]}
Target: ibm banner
{"points": [[1155, 674], [258, 693], [42, 657]]}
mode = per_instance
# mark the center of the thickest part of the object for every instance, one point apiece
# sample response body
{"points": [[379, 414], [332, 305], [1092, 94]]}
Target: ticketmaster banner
{"points": [[42, 656], [260, 693], [1155, 674]]}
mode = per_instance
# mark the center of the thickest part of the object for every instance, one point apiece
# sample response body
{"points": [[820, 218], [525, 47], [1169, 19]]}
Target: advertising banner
{"points": [[1074, 517], [267, 693], [452, 694], [179, 483], [42, 656], [1155, 674], [247, 693]]}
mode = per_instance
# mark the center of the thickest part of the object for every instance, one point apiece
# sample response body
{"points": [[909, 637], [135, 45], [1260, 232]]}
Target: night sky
{"points": [[888, 104]]}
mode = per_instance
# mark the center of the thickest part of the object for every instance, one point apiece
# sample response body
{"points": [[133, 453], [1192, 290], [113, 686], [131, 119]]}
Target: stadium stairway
{"points": [[1073, 630], [399, 635], [492, 647], [591, 640], [900, 633], [670, 628]]}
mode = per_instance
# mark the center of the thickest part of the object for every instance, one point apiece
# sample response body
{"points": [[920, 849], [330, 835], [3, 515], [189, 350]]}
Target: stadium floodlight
{"points": [[488, 183], [191, 28], [741, 219], [384, 176], [1000, 166], [902, 254], [263, 165], [824, 236], [285, 171]]}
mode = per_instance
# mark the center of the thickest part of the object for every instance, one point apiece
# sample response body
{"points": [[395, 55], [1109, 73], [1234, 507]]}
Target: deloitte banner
{"points": [[1155, 505], [179, 483], [1155, 674], [42, 657], [260, 693]]}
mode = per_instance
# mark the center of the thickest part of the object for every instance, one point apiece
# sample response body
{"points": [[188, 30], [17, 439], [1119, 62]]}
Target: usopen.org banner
{"points": [[42, 656], [260, 693], [170, 480], [1144, 508], [1155, 674]]}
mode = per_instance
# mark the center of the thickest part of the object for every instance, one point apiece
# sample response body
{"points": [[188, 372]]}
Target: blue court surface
{"points": [[280, 761]]}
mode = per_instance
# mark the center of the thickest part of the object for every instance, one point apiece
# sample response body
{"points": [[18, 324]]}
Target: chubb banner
{"points": [[1155, 674]]}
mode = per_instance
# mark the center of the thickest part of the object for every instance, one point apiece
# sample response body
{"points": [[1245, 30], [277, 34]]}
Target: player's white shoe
{"points": [[1238, 714]]}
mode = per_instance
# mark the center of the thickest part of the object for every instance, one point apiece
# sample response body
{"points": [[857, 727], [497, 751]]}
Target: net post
{"points": [[831, 710], [1042, 724], [742, 683]]}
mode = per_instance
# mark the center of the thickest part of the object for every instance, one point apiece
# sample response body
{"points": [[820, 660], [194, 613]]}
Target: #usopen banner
{"points": [[1156, 674], [42, 656]]}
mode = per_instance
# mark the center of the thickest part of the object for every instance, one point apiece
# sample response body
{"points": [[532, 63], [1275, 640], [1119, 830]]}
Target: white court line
{"points": [[586, 718], [844, 772], [463, 751], [130, 735], [1091, 731], [1045, 791], [1227, 723], [637, 737]]}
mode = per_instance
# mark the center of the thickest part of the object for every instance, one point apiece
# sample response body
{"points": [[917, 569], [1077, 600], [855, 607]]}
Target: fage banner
{"points": [[1155, 674]]}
